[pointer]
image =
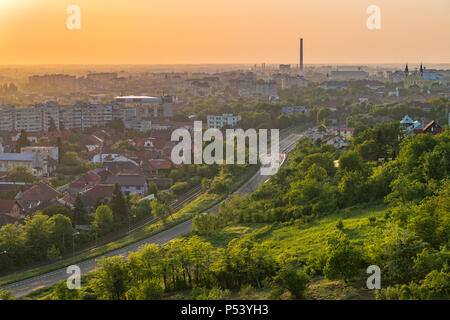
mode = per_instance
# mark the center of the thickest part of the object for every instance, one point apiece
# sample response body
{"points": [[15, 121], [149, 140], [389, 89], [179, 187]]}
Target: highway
{"points": [[26, 286]]}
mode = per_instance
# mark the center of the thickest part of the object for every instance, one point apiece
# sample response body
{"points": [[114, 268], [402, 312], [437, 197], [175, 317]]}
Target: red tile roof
{"points": [[39, 192], [88, 179], [100, 191], [90, 196], [6, 206], [127, 179], [160, 164]]}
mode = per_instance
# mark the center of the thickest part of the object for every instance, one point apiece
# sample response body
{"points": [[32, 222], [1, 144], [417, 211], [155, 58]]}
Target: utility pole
{"points": [[73, 243]]}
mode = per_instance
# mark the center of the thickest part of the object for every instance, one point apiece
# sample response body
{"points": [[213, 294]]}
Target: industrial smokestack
{"points": [[301, 54]]}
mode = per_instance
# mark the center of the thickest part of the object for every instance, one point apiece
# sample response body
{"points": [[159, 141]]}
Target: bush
{"points": [[180, 187], [291, 278], [344, 260]]}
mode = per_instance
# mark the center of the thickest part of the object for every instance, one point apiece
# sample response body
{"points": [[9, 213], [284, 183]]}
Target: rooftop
{"points": [[17, 156], [136, 99]]}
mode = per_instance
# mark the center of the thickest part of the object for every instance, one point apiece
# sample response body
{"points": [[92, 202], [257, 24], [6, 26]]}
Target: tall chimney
{"points": [[301, 55]]}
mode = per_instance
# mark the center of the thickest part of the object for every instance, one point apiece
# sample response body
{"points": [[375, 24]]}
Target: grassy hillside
{"points": [[302, 240]]}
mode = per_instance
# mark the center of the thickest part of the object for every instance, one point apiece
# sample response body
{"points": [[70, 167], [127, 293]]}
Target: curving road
{"points": [[26, 286]]}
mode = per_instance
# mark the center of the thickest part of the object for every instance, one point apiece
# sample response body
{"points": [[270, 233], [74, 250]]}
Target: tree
{"points": [[112, 279], [180, 187], [352, 188], [204, 223], [62, 292], [351, 161], [149, 289], [165, 197], [118, 203], [71, 159], [38, 235], [22, 141], [52, 125], [117, 125], [103, 217], [395, 253], [6, 295], [12, 240], [152, 188], [21, 174], [79, 211], [55, 209], [60, 149], [343, 259], [61, 230], [160, 209], [368, 150], [291, 278], [124, 145]]}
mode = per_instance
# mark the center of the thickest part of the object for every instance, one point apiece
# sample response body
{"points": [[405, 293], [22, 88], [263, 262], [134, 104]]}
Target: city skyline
{"points": [[245, 32]]}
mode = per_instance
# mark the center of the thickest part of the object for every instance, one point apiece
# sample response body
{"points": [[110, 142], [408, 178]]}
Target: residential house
{"points": [[155, 166], [48, 157], [87, 180], [33, 137], [91, 196], [129, 183], [346, 133], [10, 212], [337, 141], [411, 126], [43, 151], [30, 160], [432, 127], [38, 197]]}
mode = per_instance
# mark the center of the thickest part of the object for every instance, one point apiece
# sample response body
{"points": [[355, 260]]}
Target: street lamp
{"points": [[73, 243]]}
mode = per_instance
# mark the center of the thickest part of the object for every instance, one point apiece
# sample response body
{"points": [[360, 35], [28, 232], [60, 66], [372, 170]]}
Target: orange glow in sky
{"points": [[223, 31]]}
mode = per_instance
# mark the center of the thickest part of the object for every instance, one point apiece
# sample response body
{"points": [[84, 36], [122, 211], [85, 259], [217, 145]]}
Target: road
{"points": [[26, 286]]}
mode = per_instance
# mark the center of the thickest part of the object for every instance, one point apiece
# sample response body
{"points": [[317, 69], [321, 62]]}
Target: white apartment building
{"points": [[79, 116], [217, 122], [7, 118], [290, 81], [28, 119], [147, 106]]}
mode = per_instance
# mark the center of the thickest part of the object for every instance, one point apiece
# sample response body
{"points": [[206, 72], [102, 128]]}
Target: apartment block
{"points": [[217, 122]]}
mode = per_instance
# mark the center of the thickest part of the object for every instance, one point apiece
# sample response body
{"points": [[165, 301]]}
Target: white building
{"points": [[218, 122], [147, 106], [349, 75], [79, 116], [294, 109], [43, 152], [289, 81], [8, 161]]}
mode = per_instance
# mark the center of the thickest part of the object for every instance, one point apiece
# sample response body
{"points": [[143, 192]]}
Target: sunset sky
{"points": [[223, 31]]}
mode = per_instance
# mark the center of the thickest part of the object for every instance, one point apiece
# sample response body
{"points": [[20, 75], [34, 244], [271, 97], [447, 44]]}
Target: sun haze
{"points": [[219, 31]]}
